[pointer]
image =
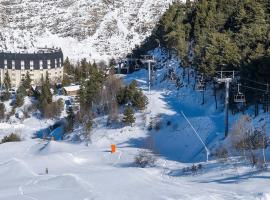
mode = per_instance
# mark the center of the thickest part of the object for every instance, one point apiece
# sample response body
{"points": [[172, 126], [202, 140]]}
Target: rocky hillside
{"points": [[96, 29]]}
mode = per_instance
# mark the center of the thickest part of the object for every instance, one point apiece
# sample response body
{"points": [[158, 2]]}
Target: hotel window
{"points": [[13, 64], [31, 64], [49, 64], [22, 65], [5, 64], [40, 64], [55, 63]]}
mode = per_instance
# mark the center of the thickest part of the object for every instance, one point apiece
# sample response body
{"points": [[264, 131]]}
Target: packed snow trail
{"points": [[98, 178]]}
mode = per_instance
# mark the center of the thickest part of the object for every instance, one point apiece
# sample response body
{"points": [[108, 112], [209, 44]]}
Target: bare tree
{"points": [[108, 97], [247, 139]]}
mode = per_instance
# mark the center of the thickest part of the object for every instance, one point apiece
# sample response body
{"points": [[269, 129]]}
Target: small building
{"points": [[72, 90]]}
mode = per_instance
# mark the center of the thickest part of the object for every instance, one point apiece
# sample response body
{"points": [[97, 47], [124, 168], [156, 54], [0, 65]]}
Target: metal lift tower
{"points": [[226, 77], [149, 60]]}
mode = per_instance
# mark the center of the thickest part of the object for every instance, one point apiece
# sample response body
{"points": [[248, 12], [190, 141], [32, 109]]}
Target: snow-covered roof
{"points": [[31, 50], [72, 88]]}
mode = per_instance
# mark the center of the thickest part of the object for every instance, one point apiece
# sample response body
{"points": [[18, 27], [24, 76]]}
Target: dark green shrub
{"points": [[11, 138], [5, 96], [131, 94]]}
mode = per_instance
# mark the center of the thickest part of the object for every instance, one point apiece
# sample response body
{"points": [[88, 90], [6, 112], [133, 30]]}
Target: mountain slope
{"points": [[78, 171], [96, 29]]}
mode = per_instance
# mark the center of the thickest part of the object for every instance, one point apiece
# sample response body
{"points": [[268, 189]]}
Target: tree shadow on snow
{"points": [[239, 178]]}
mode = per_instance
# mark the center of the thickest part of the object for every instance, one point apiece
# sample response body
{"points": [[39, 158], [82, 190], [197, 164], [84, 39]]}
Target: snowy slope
{"points": [[78, 171], [96, 29]]}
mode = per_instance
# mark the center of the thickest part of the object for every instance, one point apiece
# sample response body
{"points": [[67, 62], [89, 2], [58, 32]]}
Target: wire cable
{"points": [[255, 81], [253, 88]]}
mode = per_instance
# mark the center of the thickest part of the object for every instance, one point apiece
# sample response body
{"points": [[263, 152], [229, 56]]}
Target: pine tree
{"points": [[25, 86], [66, 81], [84, 66], [90, 88], [77, 74], [139, 100], [133, 85], [68, 68], [45, 96], [70, 121], [7, 81], [94, 66], [19, 100], [47, 89], [2, 110], [129, 117], [27, 81], [112, 62], [82, 94]]}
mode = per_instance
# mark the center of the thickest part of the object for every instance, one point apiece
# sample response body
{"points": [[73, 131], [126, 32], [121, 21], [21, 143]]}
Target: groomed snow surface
{"points": [[78, 171]]}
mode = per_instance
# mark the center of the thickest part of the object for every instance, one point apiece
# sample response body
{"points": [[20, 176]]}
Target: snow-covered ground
{"points": [[78, 171]]}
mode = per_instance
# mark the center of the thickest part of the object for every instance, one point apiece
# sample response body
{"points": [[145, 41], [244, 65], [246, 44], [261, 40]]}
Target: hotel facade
{"points": [[37, 64]]}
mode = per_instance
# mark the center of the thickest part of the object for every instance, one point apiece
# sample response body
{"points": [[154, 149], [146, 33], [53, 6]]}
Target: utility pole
{"points": [[226, 77], [149, 60]]}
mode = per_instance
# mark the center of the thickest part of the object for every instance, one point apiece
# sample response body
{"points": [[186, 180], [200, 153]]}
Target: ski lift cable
{"points": [[253, 88], [260, 83]]}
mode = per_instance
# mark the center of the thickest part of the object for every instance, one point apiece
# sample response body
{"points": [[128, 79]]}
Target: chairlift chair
{"points": [[239, 97], [200, 87], [137, 67]]}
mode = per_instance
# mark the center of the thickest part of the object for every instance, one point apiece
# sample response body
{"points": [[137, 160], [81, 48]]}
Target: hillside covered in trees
{"points": [[213, 35]]}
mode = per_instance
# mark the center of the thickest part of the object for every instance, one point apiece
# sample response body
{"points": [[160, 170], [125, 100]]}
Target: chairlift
{"points": [[239, 97], [200, 87], [137, 66]]}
